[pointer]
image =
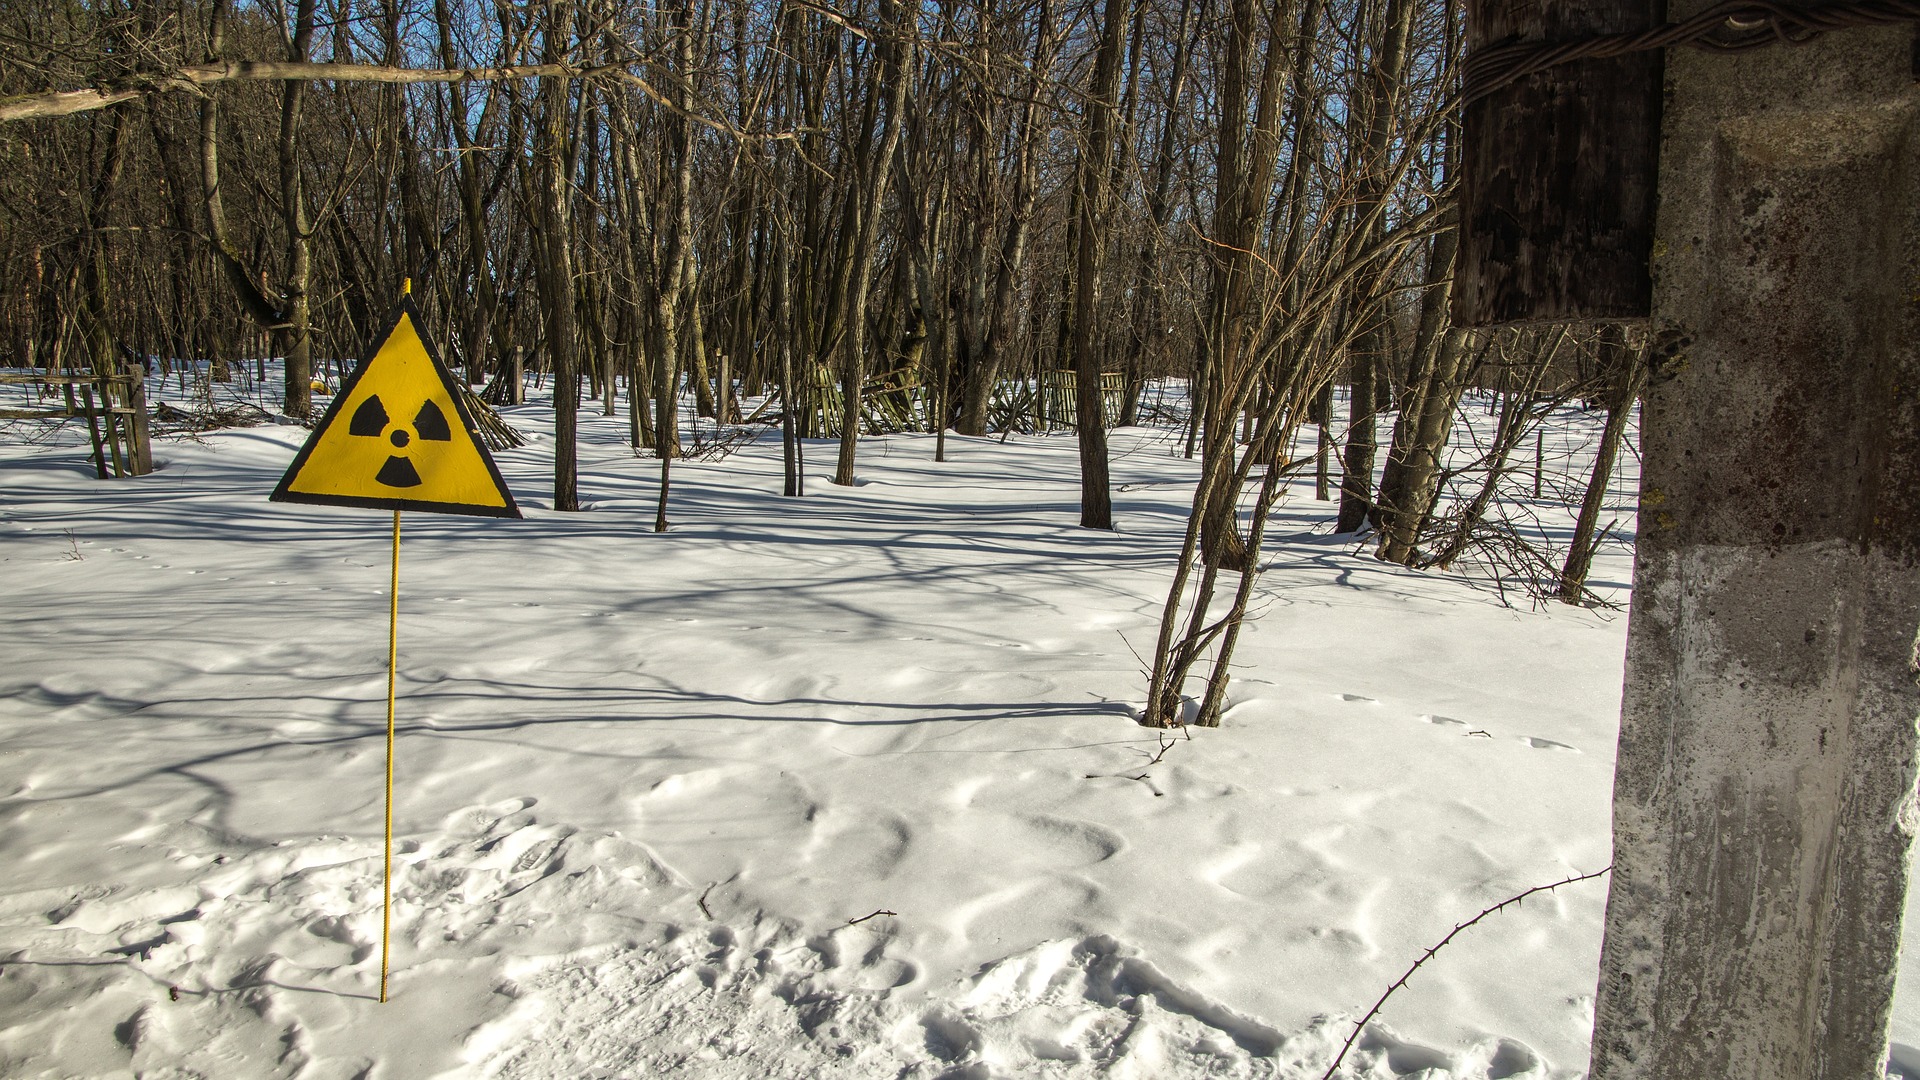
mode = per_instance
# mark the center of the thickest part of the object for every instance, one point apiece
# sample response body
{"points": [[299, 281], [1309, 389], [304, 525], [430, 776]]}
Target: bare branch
{"points": [[195, 78]]}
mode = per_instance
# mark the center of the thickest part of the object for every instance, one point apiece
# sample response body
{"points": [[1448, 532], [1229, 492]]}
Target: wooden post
{"points": [[139, 435], [93, 427], [112, 428], [517, 390], [1539, 456], [1764, 792], [1557, 172]]}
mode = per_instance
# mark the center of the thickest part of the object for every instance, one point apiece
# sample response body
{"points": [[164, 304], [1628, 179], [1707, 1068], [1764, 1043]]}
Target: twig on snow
{"points": [[1167, 743], [1428, 955], [870, 915]]}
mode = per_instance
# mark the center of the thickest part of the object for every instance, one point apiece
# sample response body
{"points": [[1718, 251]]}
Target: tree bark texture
{"points": [[1096, 179], [556, 269], [1435, 380]]}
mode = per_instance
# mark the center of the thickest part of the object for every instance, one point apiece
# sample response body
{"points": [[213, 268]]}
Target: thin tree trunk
{"points": [[1096, 178], [1629, 376], [997, 344], [555, 265], [297, 310], [1428, 426], [1373, 344], [894, 66], [672, 261]]}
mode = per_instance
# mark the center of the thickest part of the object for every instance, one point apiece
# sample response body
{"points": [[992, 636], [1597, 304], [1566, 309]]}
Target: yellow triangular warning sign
{"points": [[398, 437]]}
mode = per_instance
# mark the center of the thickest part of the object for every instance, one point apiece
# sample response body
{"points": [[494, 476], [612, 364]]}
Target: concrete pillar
{"points": [[1764, 800]]}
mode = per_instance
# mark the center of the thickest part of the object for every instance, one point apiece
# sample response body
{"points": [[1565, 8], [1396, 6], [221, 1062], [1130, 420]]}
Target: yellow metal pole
{"points": [[393, 657], [393, 664]]}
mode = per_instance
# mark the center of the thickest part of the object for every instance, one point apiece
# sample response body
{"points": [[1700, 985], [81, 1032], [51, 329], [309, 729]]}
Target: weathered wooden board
{"points": [[1558, 172]]}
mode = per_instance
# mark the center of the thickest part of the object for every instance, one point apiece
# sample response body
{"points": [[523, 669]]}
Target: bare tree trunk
{"points": [[1418, 440], [297, 310], [1323, 441], [477, 314], [1629, 373], [1373, 344], [672, 259], [634, 350], [96, 298], [1428, 424], [264, 310], [555, 265], [1095, 180], [893, 69], [1357, 453], [1245, 162], [1001, 302], [792, 466], [699, 373], [1148, 308]]}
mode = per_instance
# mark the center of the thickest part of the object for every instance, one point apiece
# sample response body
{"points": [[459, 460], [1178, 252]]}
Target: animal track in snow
{"points": [[1065, 843], [1546, 744], [857, 847], [1009, 910]]}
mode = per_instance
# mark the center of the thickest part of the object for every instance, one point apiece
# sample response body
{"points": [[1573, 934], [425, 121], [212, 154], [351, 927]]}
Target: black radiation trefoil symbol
{"points": [[371, 420]]}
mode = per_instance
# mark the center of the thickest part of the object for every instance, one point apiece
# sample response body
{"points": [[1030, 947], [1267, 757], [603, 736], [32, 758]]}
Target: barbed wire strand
{"points": [[1733, 26]]}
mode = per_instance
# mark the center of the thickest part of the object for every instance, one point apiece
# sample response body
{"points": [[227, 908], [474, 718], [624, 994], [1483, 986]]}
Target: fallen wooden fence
{"points": [[114, 406]]}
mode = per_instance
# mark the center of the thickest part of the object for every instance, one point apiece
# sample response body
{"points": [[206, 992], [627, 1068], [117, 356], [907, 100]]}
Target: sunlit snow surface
{"points": [[648, 782]]}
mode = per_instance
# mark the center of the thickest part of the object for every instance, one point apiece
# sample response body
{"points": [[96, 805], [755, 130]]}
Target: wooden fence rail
{"points": [[114, 406]]}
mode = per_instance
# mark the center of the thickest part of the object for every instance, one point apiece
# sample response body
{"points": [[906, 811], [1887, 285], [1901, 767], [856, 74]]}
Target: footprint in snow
{"points": [[1442, 721], [1546, 744], [1359, 697]]}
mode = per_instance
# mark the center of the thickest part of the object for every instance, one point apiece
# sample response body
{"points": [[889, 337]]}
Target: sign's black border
{"points": [[283, 494]]}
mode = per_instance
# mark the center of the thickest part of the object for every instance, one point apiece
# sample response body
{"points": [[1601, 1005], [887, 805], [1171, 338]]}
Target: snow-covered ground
{"points": [[653, 789]]}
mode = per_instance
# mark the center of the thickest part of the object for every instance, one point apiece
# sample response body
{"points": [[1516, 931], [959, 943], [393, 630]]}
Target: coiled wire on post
{"points": [[1733, 26]]}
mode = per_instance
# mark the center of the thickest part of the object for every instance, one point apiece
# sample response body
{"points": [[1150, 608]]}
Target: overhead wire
{"points": [[1731, 26]]}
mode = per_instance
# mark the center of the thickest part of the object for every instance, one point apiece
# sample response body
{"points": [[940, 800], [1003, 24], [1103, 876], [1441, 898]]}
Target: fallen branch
{"points": [[195, 78], [871, 915], [1428, 955]]}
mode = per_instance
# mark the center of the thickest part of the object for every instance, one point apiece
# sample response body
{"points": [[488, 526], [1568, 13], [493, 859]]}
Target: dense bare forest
{"points": [[978, 204]]}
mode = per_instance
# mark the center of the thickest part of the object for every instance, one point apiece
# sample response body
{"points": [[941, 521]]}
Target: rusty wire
{"points": [[1732, 26]]}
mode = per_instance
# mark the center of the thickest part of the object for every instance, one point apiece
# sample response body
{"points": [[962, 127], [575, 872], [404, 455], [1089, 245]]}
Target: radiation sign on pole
{"points": [[397, 437]]}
